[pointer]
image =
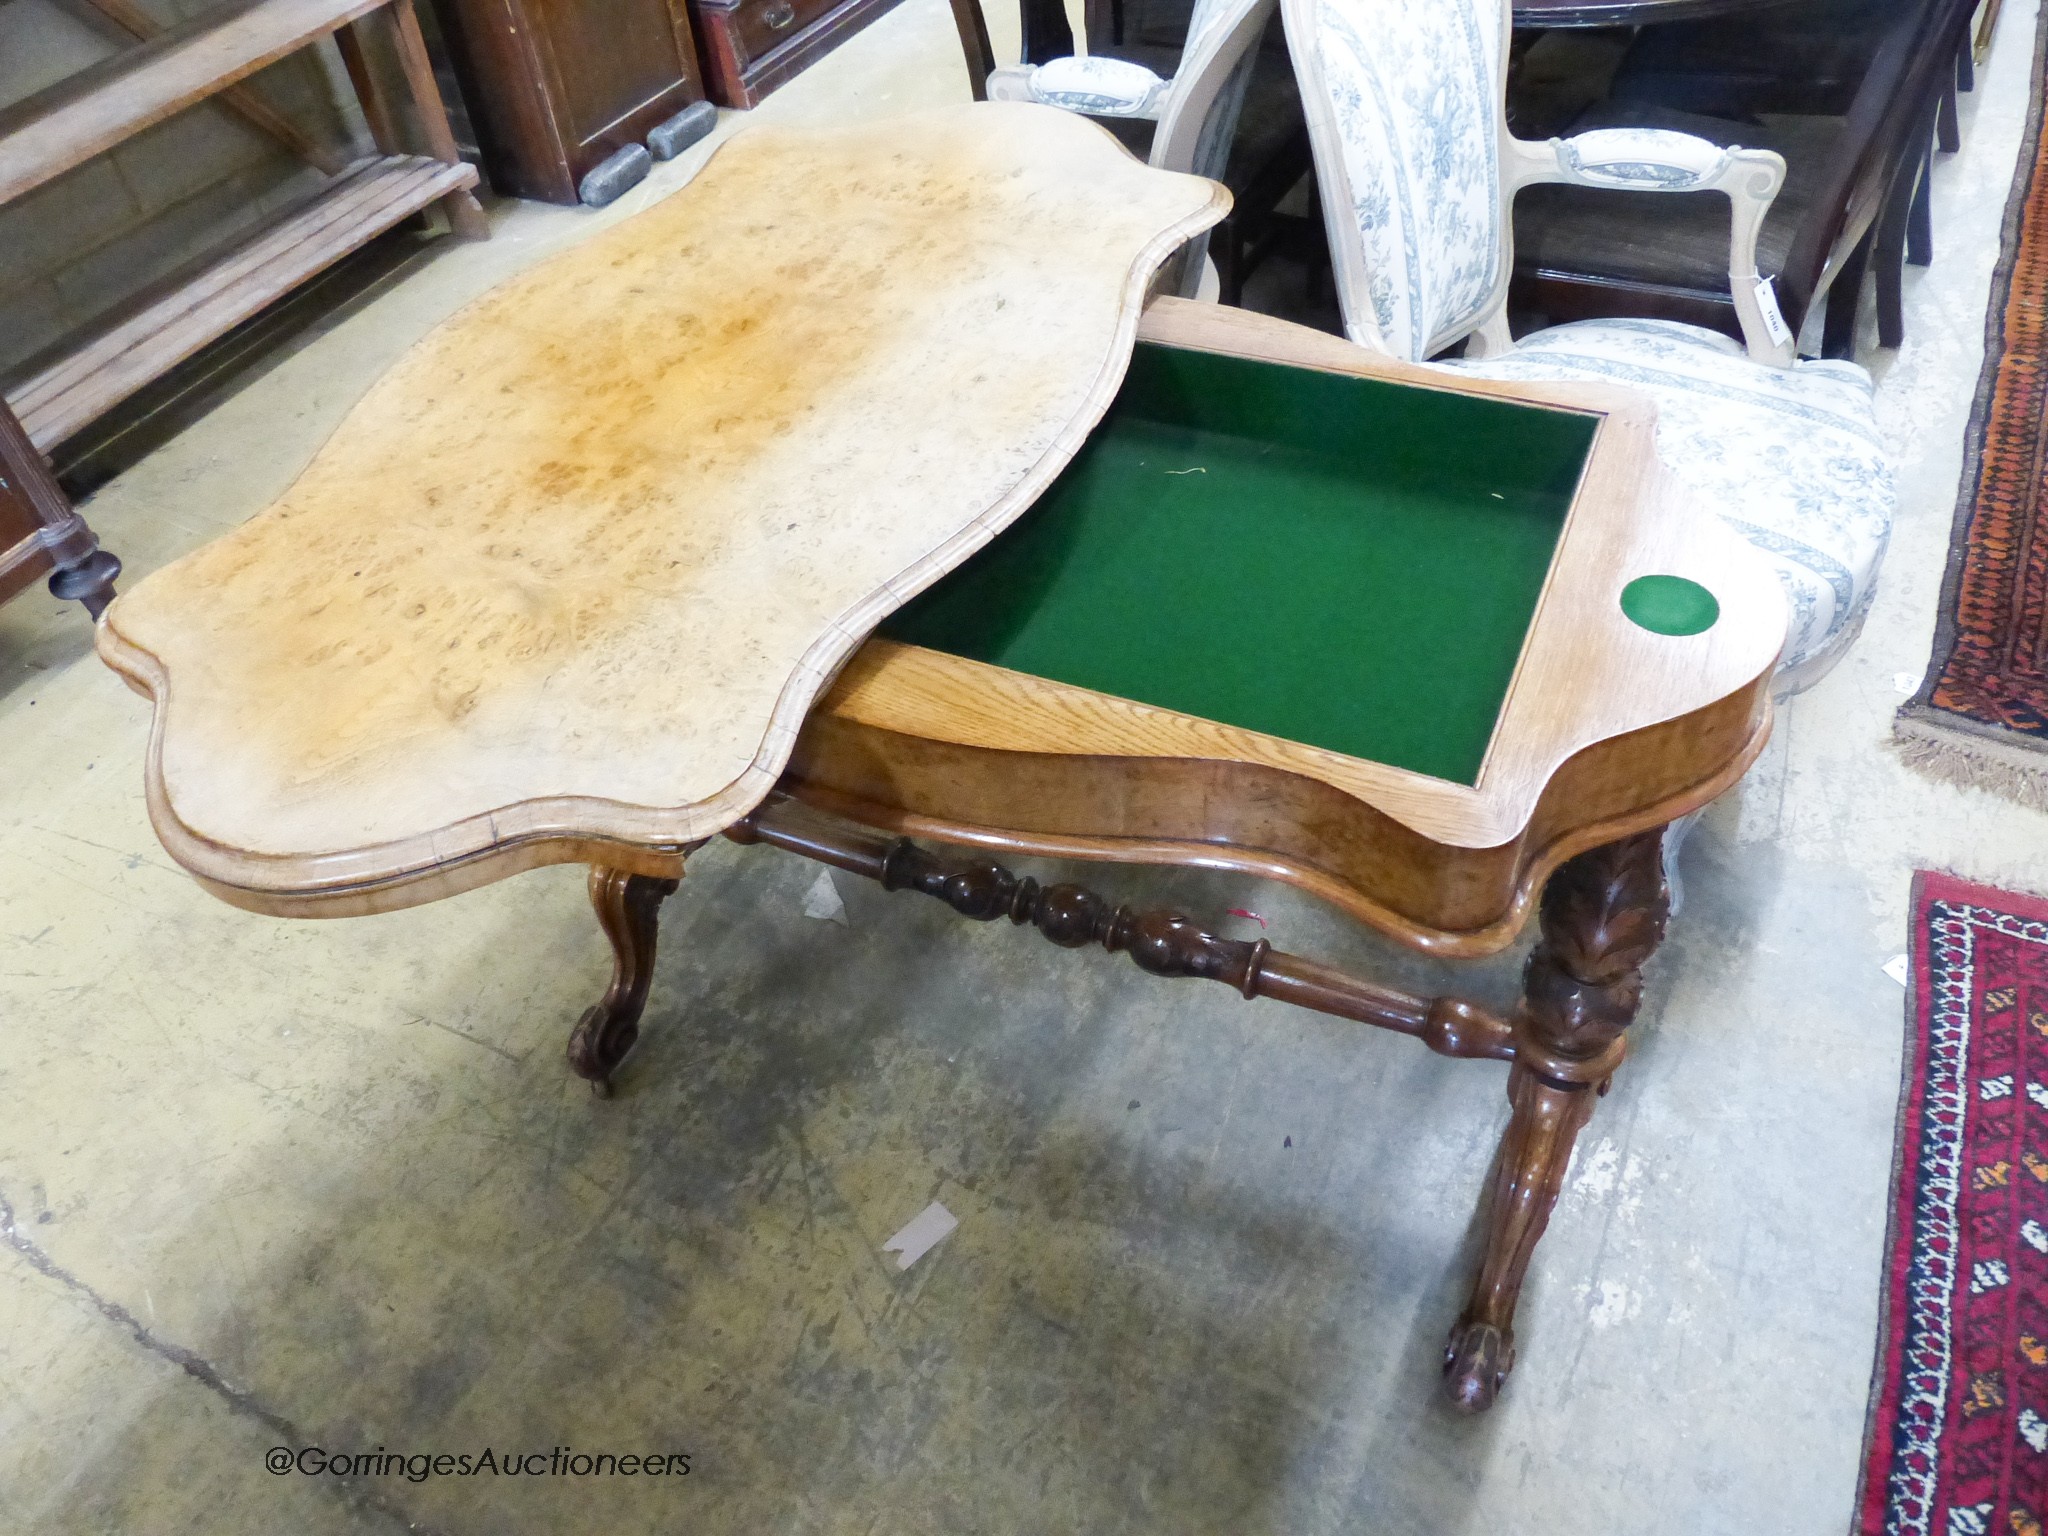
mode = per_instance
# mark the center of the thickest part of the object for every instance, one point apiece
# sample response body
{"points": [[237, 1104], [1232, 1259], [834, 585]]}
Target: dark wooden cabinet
{"points": [[752, 46], [555, 86]]}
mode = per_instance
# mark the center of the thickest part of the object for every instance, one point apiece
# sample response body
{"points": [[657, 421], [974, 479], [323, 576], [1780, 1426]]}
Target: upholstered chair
{"points": [[1848, 91], [1195, 112], [1418, 173], [1100, 86]]}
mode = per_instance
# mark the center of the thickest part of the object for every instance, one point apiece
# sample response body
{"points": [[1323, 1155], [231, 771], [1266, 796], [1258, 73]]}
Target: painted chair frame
{"points": [[1195, 112], [1869, 215]]}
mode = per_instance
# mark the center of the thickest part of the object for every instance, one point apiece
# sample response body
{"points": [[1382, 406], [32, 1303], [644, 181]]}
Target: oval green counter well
{"points": [[1670, 605]]}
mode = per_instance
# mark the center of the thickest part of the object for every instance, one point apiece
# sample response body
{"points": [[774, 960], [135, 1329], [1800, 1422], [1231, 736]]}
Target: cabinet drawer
{"points": [[761, 25], [752, 46]]}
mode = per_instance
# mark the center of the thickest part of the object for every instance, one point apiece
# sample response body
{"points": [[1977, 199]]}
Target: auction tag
{"points": [[1774, 318]]}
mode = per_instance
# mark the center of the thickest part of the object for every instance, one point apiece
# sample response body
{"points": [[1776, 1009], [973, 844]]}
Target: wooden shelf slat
{"points": [[90, 112], [194, 309]]}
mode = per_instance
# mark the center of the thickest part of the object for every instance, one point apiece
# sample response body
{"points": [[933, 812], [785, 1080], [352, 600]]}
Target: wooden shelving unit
{"points": [[179, 317], [89, 113]]}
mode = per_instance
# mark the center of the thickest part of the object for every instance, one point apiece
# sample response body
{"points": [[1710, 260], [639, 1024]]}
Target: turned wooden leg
{"points": [[629, 907], [83, 571], [89, 582], [1603, 915]]}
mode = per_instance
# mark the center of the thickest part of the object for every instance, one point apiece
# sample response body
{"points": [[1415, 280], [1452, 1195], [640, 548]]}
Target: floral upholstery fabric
{"points": [[1414, 88], [1790, 457]]}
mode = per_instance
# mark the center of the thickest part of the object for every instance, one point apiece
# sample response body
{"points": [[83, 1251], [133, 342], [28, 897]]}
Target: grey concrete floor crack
{"points": [[353, 1492]]}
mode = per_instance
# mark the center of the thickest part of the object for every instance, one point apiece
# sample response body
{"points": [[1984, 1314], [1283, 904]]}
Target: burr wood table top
{"points": [[564, 583]]}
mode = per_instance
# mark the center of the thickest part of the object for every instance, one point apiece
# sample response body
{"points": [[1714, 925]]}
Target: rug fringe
{"points": [[1973, 762]]}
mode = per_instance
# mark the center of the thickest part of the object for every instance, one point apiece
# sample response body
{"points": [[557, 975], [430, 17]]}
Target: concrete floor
{"points": [[272, 1183]]}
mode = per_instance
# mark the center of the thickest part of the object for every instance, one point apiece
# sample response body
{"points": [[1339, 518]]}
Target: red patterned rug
{"points": [[1957, 1443], [1981, 717]]}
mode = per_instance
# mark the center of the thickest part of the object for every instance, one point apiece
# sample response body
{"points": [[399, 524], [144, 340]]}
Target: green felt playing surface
{"points": [[1345, 562]]}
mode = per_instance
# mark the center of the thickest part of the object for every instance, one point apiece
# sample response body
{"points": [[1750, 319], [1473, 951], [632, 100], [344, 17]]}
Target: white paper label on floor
{"points": [[923, 1233], [1896, 969], [1906, 682], [822, 901]]}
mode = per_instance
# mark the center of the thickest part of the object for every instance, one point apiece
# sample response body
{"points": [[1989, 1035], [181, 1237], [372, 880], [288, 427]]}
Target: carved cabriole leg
{"points": [[629, 907], [1603, 916]]}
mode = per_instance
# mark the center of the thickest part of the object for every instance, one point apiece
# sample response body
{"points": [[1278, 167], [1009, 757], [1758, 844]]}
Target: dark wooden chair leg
{"points": [[1226, 249], [975, 46], [1888, 257], [1603, 916], [1948, 124], [629, 908], [1845, 294], [1920, 215], [371, 96], [1047, 34]]}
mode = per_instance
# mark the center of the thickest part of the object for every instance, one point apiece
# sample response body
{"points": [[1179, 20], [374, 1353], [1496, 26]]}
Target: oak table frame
{"points": [[1571, 804]]}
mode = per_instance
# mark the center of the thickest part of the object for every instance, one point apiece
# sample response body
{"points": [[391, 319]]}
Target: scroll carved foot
{"points": [[1476, 1362], [629, 907], [1603, 916]]}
